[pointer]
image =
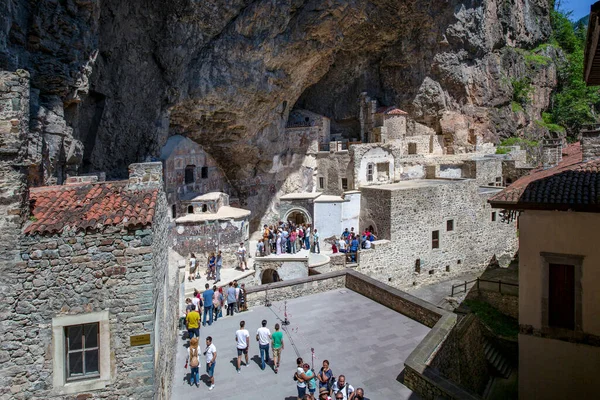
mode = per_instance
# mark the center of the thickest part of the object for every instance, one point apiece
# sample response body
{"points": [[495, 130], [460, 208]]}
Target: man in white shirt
{"points": [[211, 359], [263, 336], [241, 253], [367, 244], [341, 386], [241, 338]]}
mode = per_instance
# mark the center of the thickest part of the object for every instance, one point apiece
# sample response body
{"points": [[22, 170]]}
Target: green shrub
{"points": [[516, 107], [521, 90], [503, 150], [501, 324]]}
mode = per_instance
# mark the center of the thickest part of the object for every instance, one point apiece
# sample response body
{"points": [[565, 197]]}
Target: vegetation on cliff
{"points": [[573, 103]]}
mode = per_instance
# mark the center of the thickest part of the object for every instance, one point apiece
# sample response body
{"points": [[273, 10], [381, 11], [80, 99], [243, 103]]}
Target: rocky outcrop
{"points": [[113, 79]]}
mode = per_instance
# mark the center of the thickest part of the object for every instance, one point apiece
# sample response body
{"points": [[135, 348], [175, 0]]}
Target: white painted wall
{"points": [[350, 212], [375, 156], [450, 171], [328, 218], [412, 172]]}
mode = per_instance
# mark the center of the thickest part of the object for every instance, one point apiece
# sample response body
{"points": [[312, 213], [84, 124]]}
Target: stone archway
{"points": [[298, 215], [269, 275]]}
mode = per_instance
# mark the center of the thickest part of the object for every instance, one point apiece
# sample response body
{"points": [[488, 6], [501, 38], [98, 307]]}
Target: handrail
{"points": [[499, 282]]}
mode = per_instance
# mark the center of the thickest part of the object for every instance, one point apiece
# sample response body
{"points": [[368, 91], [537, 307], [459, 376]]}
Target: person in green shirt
{"points": [[277, 343]]}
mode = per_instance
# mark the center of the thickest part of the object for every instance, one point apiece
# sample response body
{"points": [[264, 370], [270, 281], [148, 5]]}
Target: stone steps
{"points": [[497, 361]]}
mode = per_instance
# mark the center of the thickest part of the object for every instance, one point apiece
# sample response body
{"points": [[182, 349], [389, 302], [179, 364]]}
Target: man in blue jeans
{"points": [[207, 298], [263, 336]]}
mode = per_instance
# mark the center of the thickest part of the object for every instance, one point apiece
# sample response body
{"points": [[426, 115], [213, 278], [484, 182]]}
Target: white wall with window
{"points": [[81, 359], [376, 166]]}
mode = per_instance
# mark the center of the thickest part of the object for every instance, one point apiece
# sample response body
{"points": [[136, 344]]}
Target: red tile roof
{"points": [[90, 206], [392, 110], [571, 185]]}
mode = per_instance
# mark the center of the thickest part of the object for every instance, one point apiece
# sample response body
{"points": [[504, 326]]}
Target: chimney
{"points": [[590, 142], [551, 152], [145, 175]]}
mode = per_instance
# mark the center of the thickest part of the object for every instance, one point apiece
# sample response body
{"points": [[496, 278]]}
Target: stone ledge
{"points": [[298, 281]]}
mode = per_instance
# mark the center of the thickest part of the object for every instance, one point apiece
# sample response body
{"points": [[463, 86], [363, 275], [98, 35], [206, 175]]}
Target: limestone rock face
{"points": [[227, 72]]}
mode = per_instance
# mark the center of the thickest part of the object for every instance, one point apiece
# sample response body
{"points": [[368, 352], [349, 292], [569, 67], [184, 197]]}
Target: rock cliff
{"points": [[112, 79]]}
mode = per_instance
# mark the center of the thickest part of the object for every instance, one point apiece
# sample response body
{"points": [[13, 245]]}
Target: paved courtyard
{"points": [[362, 339]]}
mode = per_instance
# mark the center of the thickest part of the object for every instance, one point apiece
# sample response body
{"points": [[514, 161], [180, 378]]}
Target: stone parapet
{"points": [[146, 175]]}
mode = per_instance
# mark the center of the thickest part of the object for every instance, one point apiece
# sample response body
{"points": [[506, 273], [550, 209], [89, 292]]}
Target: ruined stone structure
{"points": [[210, 225], [432, 228], [189, 172], [93, 270]]}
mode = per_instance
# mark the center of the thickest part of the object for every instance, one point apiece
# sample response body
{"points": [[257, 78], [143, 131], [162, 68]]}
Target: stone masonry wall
{"points": [[414, 213], [166, 302], [76, 273]]}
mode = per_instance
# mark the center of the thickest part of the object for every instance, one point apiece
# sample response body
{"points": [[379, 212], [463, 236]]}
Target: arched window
{"points": [[189, 174], [190, 209], [174, 211]]}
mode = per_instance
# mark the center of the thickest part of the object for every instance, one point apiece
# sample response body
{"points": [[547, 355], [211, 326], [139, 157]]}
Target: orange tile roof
{"points": [[392, 110], [571, 185], [90, 206]]}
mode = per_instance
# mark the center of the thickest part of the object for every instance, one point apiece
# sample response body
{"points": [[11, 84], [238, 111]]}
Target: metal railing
{"points": [[485, 284]]}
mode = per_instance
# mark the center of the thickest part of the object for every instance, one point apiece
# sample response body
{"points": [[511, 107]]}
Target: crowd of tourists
{"points": [[310, 385], [350, 242], [288, 237]]}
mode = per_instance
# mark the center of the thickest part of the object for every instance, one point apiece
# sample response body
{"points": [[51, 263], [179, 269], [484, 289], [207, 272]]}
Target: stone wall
{"points": [[461, 357], [409, 215], [202, 238], [505, 303], [122, 271], [590, 143], [333, 167], [485, 170], [287, 268], [257, 295]]}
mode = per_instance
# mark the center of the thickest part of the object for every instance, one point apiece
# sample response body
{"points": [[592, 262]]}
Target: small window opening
{"points": [[189, 174], [412, 148], [458, 262], [204, 172], [190, 209], [435, 239], [431, 271], [344, 184], [494, 216], [418, 265], [447, 268], [450, 225], [321, 182], [370, 173], [204, 208], [173, 211]]}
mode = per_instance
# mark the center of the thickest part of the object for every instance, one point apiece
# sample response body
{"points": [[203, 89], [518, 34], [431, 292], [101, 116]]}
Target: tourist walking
{"points": [[307, 237], [278, 243], [231, 300], [194, 362], [219, 266], [237, 296], [207, 298], [263, 337], [243, 298], [211, 360], [343, 387], [277, 343], [325, 377], [293, 238], [192, 322], [241, 253], [217, 302], [192, 275], [242, 337]]}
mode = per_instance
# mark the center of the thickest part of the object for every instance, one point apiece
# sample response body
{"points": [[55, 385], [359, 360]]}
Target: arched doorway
{"points": [[298, 216], [269, 276]]}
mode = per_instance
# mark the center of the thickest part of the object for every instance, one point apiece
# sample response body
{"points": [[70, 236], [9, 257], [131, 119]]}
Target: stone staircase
{"points": [[497, 361]]}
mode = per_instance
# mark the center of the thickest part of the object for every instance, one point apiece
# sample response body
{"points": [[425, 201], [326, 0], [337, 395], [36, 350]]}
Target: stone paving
{"points": [[362, 339]]}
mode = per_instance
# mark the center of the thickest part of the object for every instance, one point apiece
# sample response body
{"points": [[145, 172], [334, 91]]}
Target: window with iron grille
{"points": [[82, 351], [370, 170]]}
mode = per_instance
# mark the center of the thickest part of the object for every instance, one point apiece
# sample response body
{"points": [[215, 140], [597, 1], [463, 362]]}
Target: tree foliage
{"points": [[573, 103]]}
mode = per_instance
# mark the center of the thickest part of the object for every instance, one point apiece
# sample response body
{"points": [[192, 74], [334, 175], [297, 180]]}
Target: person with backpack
{"points": [[343, 387], [194, 362]]}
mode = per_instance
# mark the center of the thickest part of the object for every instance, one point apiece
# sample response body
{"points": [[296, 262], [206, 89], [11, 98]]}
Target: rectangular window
{"points": [[204, 172], [82, 351], [321, 182], [561, 296], [189, 174], [450, 225], [370, 173], [344, 184], [435, 239], [494, 216], [412, 148]]}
